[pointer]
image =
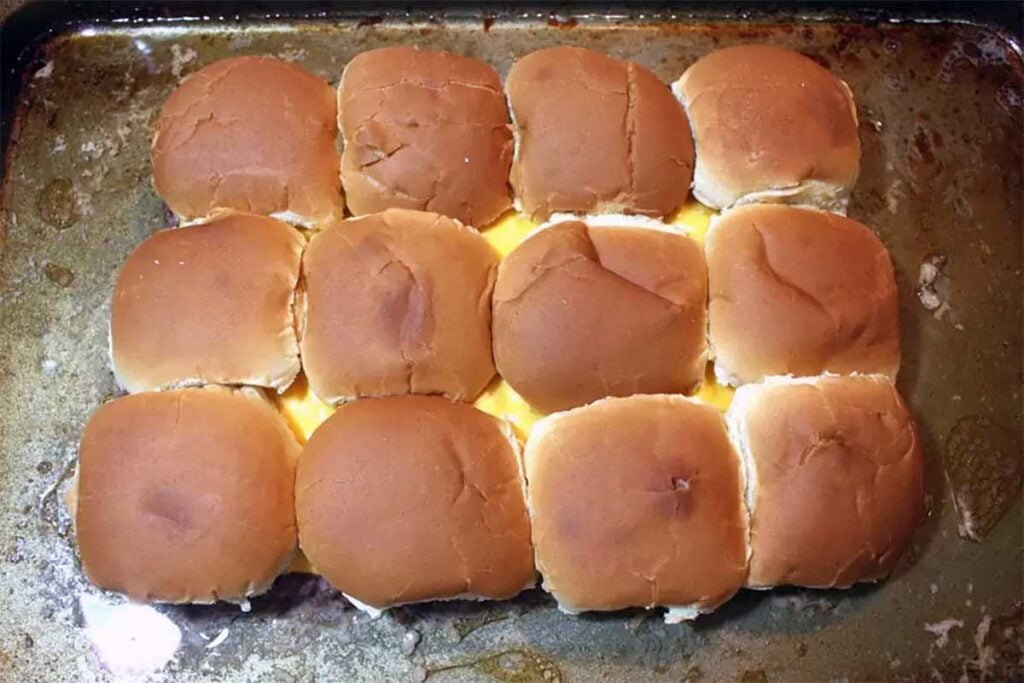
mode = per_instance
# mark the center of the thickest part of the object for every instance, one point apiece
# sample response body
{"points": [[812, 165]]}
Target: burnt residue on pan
{"points": [[941, 124]]}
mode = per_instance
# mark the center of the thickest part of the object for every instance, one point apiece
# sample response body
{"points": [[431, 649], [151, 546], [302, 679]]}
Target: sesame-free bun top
{"points": [[799, 291], [186, 495], [596, 135], [637, 502], [209, 304], [835, 478], [250, 133], [770, 125], [412, 498], [398, 302], [611, 307], [424, 130]]}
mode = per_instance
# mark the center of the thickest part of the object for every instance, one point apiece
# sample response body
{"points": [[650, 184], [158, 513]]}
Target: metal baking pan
{"points": [[940, 104]]}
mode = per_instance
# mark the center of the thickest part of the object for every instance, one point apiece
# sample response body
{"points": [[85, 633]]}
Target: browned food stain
{"points": [[510, 666], [58, 274], [489, 20], [57, 205], [753, 676], [984, 471], [556, 21], [369, 21], [464, 627]]}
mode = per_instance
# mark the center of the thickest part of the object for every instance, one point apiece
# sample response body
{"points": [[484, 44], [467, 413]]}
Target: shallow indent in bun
{"points": [[398, 302], [209, 304], [595, 135], [186, 495], [424, 130], [413, 498], [585, 311], [770, 125], [838, 478], [250, 133], [637, 502], [799, 291]]}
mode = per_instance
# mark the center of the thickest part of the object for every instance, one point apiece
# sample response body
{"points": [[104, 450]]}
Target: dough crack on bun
{"points": [[186, 495], [398, 302], [770, 125], [255, 134], [413, 498], [835, 483], [799, 291], [424, 130], [637, 502], [596, 135], [583, 311]]}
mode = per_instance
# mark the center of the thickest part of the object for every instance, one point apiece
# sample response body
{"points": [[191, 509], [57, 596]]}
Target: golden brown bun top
{"points": [[839, 479], [398, 302], [425, 130], [186, 495], [209, 304], [798, 291], [582, 312], [637, 502], [249, 133], [413, 498], [767, 118], [596, 135]]}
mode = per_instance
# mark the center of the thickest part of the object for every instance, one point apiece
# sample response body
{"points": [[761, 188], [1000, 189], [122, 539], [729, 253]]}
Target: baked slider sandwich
{"points": [[609, 307], [596, 135], [424, 130], [397, 303], [799, 291], [637, 502], [835, 478], [209, 304], [413, 498], [255, 134], [770, 125], [186, 495]]}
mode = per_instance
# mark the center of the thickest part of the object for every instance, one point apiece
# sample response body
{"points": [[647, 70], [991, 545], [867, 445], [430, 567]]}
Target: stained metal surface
{"points": [[941, 114]]}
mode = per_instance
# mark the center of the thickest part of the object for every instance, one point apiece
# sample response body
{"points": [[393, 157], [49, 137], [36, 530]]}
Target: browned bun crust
{"points": [[186, 495], [209, 304], [582, 312], [250, 133], [398, 302], [596, 135], [637, 502], [413, 498], [802, 292], [770, 125], [424, 130], [837, 479]]}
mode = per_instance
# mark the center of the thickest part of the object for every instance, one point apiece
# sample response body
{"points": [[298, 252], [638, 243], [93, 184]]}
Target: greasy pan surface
{"points": [[941, 125]]}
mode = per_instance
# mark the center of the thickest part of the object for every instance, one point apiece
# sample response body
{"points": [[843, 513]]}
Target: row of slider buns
{"points": [[200, 494], [571, 131], [412, 302]]}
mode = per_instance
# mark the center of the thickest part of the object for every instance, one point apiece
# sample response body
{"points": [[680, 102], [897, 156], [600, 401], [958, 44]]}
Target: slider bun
{"points": [[424, 130], [209, 304], [587, 311], [836, 478], [596, 135], [799, 291], [398, 302], [250, 133], [413, 498], [186, 495], [770, 125], [637, 502]]}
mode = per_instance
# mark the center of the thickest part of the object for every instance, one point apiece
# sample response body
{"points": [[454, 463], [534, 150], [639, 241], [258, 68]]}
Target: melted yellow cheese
{"points": [[696, 217], [303, 410], [507, 232]]}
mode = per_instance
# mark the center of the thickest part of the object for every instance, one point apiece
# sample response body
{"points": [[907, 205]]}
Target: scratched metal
{"points": [[942, 130]]}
